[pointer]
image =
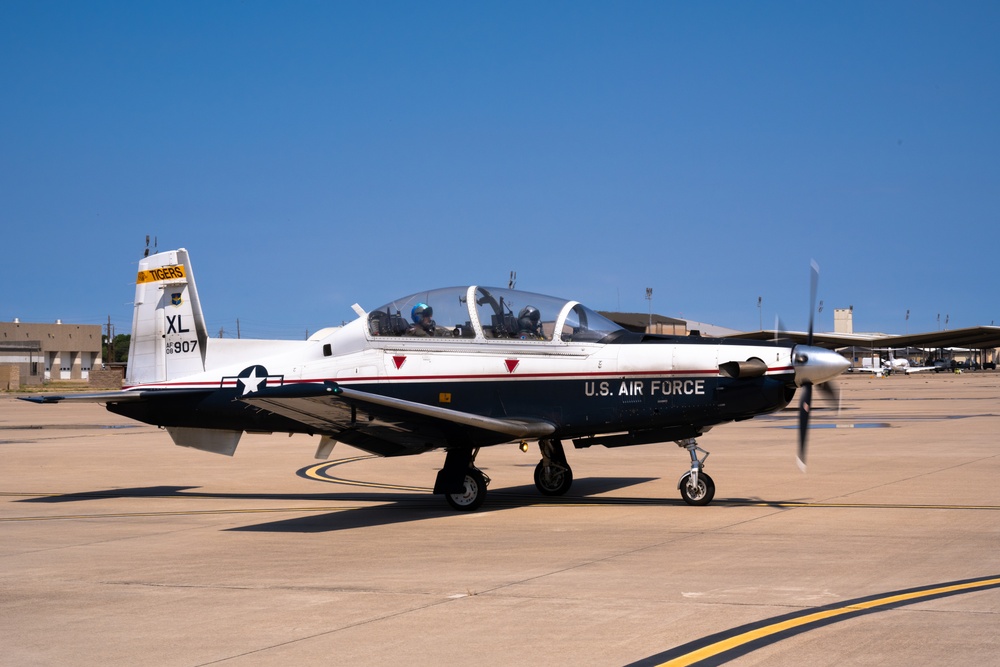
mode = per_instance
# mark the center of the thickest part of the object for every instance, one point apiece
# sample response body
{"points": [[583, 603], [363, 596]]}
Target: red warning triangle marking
{"points": [[511, 364], [399, 361]]}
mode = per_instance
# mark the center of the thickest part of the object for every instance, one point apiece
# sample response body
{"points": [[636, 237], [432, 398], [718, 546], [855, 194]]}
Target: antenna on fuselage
{"points": [[146, 252], [513, 280]]}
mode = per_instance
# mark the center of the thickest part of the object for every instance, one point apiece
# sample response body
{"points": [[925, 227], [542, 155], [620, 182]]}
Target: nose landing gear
{"points": [[696, 487]]}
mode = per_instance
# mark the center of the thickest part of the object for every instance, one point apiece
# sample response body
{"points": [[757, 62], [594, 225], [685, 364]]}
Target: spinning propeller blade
{"points": [[813, 283], [805, 406], [832, 392]]}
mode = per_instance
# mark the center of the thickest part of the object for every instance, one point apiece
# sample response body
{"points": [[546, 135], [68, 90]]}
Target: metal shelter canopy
{"points": [[974, 338]]}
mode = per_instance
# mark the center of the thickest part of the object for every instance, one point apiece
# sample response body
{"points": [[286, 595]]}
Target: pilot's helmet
{"points": [[420, 311], [527, 319]]}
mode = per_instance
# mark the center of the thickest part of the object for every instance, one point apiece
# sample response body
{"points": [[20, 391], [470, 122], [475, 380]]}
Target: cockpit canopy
{"points": [[490, 313]]}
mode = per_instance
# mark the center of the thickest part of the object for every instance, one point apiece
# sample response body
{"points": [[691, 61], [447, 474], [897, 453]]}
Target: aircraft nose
{"points": [[814, 365]]}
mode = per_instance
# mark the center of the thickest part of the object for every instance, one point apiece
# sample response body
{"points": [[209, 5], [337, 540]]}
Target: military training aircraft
{"points": [[457, 369], [882, 368]]}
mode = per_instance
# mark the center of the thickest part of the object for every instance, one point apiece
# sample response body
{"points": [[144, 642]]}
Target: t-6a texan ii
{"points": [[454, 369]]}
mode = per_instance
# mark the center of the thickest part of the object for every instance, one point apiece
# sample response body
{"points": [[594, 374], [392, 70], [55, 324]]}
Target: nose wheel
{"points": [[700, 492], [696, 487]]}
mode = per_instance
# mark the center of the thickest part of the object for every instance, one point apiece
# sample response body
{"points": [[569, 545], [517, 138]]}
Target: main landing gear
{"points": [[464, 485], [474, 493], [461, 482], [553, 476], [696, 487]]}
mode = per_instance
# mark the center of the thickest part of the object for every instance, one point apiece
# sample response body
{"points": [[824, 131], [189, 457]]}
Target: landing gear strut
{"points": [[553, 476], [461, 482], [696, 487]]}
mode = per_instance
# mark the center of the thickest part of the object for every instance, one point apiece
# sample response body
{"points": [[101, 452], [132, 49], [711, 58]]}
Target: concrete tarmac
{"points": [[117, 547]]}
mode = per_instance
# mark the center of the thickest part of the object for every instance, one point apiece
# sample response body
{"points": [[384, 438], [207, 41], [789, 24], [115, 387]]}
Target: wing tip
{"points": [[41, 399]]}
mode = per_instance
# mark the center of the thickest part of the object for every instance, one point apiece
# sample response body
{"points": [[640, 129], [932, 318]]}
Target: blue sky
{"points": [[315, 154]]}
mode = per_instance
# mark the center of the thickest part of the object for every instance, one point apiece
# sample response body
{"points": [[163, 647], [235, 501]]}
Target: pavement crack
{"points": [[332, 631], [911, 478]]}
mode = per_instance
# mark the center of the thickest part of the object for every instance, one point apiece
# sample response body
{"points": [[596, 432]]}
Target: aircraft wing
{"points": [[866, 369], [919, 369], [379, 424], [389, 426]]}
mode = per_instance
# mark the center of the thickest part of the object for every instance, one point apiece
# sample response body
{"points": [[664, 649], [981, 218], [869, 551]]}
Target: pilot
{"points": [[529, 325], [423, 324]]}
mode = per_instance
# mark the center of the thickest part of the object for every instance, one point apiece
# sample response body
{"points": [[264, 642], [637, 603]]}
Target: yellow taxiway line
{"points": [[319, 472], [725, 646]]}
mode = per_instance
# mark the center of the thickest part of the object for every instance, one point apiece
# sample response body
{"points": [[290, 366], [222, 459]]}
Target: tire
{"points": [[558, 483], [702, 494], [474, 494]]}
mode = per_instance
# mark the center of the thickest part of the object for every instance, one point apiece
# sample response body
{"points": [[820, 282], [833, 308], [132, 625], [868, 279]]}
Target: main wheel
{"points": [[701, 494], [556, 483], [473, 495]]}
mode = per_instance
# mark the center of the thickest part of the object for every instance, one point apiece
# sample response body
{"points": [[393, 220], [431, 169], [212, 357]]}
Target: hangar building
{"points": [[46, 352]]}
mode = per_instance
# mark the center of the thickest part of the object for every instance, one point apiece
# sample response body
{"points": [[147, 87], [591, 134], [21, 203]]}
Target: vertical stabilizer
{"points": [[168, 329]]}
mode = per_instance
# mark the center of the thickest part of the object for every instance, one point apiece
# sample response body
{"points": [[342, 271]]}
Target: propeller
{"points": [[805, 406], [815, 366]]}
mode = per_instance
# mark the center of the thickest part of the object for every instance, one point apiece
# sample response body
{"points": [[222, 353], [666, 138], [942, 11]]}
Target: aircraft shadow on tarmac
{"points": [[408, 507], [400, 506], [521, 496]]}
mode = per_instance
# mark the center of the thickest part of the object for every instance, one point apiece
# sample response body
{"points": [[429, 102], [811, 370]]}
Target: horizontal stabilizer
{"points": [[114, 396], [101, 397]]}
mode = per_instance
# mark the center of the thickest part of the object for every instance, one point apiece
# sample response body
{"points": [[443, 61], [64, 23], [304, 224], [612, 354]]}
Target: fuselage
{"points": [[577, 371]]}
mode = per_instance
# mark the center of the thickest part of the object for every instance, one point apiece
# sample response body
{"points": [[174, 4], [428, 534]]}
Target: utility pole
{"points": [[111, 343], [649, 298]]}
